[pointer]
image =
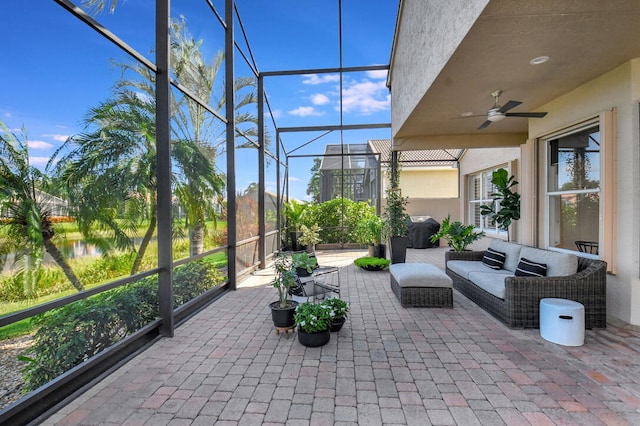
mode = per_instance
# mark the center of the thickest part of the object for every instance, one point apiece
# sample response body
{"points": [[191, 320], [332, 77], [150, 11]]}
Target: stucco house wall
{"points": [[619, 89], [436, 40]]}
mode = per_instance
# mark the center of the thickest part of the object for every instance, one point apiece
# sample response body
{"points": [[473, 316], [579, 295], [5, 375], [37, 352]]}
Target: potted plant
{"points": [[303, 263], [338, 311], [293, 211], [457, 235], [283, 310], [395, 226], [505, 204], [369, 263], [369, 231], [314, 323], [310, 236]]}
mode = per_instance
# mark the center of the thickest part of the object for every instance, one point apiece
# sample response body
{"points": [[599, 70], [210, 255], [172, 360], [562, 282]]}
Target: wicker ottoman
{"points": [[421, 285]]}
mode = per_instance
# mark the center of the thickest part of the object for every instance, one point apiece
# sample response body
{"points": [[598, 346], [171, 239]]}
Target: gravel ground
{"points": [[11, 382]]}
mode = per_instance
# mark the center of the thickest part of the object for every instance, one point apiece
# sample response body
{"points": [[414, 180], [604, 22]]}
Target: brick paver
{"points": [[388, 365]]}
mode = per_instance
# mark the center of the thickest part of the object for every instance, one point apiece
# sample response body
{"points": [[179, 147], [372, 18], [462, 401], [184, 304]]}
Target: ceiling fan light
{"points": [[495, 116]]}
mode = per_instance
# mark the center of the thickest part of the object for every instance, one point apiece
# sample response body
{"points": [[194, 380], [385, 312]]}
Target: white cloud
{"points": [[38, 161], [57, 137], [378, 74], [314, 79], [293, 179], [305, 111], [39, 145], [319, 99], [366, 97]]}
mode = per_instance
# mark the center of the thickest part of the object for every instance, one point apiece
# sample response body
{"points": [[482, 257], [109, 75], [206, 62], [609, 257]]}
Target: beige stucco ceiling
{"points": [[583, 38]]}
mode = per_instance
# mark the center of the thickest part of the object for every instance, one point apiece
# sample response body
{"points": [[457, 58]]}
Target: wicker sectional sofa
{"points": [[515, 300]]}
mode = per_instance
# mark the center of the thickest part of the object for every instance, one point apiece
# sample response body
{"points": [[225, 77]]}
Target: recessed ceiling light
{"points": [[539, 60], [467, 114]]}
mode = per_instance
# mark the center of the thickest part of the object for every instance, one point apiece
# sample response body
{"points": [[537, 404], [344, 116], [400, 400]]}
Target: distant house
{"points": [[425, 175], [55, 206]]}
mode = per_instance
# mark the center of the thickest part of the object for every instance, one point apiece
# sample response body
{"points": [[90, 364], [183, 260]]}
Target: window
{"points": [[480, 188], [573, 189]]}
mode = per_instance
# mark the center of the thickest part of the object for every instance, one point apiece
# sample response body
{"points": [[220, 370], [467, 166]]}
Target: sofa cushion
{"points": [[558, 263], [493, 259], [528, 268], [464, 267], [492, 282], [511, 251], [419, 275]]}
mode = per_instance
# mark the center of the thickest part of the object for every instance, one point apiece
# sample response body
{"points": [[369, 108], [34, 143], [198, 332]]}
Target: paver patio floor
{"points": [[388, 365]]}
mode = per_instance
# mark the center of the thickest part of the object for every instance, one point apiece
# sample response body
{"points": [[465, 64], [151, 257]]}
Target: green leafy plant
{"points": [[293, 211], [338, 308], [285, 279], [339, 217], [304, 261], [457, 235], [73, 333], [369, 230], [505, 206], [310, 234], [371, 263], [313, 317], [395, 215]]}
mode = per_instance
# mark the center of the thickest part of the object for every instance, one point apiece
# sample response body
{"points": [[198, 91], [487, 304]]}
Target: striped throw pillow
{"points": [[493, 259], [528, 268]]}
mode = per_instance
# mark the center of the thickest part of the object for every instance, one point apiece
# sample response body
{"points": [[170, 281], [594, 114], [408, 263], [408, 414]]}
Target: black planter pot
{"points": [[283, 317], [295, 246], [337, 324], [398, 249], [378, 250], [302, 272], [312, 340]]}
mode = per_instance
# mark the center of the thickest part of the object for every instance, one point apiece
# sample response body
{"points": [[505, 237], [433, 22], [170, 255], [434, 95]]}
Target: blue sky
{"points": [[55, 68]]}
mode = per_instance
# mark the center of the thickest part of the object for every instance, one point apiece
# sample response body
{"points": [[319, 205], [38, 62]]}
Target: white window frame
{"points": [[485, 177], [548, 194]]}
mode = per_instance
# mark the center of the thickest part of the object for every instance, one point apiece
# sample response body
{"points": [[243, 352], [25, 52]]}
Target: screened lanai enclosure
{"points": [[172, 148]]}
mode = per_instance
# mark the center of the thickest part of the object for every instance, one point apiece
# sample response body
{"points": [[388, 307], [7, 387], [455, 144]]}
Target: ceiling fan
{"points": [[497, 112]]}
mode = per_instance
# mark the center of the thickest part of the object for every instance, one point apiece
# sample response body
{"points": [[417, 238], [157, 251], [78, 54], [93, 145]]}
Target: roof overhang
{"points": [[583, 40]]}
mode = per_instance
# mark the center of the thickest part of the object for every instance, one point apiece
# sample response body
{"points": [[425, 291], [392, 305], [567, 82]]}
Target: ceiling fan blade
{"points": [[526, 114], [483, 125], [509, 105]]}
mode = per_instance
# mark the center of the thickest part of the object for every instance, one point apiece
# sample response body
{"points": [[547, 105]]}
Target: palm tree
{"points": [[109, 173], [26, 222]]}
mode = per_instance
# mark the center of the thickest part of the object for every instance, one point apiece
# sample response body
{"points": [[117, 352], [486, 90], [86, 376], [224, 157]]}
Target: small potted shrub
{"points": [[314, 324], [369, 231], [283, 310], [457, 235], [310, 237], [293, 211], [371, 263], [338, 311], [303, 263]]}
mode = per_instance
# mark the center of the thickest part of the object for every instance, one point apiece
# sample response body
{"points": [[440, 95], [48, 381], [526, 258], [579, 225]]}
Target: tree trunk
{"points": [[59, 258], [145, 243], [196, 237]]}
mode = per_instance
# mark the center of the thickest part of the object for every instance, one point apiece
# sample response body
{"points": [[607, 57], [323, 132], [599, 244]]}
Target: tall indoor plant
{"points": [[505, 205], [395, 216], [293, 211]]}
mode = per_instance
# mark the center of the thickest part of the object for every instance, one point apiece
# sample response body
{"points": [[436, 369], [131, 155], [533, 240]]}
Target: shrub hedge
{"points": [[69, 335], [331, 217]]}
